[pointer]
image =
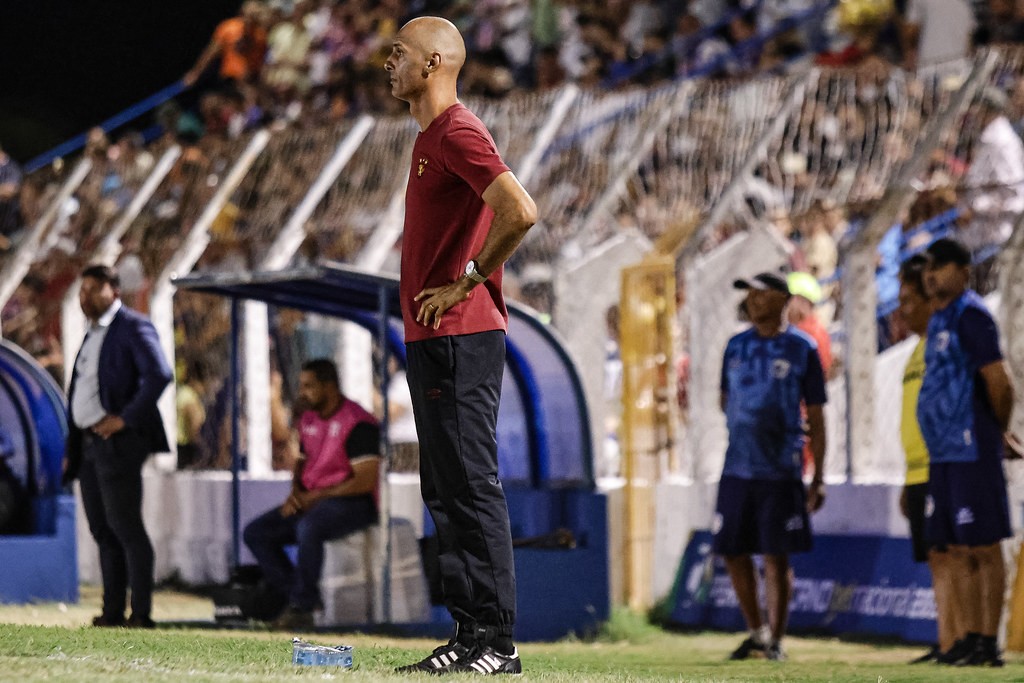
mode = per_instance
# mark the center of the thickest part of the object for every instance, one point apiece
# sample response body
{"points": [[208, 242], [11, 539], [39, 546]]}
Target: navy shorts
{"points": [[761, 517], [967, 503], [917, 494]]}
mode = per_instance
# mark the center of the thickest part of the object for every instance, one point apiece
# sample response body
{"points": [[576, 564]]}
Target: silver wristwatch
{"points": [[473, 274]]}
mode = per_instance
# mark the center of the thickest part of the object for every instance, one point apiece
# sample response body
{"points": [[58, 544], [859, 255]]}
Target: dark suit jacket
{"points": [[132, 375]]}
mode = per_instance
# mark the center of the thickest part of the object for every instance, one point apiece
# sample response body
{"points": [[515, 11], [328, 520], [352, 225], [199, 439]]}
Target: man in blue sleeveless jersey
{"points": [[964, 408], [767, 373]]}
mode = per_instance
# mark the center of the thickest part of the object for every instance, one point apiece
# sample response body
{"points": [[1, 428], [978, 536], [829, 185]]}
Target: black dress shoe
{"points": [[961, 650], [140, 622], [104, 621], [986, 653], [930, 656]]}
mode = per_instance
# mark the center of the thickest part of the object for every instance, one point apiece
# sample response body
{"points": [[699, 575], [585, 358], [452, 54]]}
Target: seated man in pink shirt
{"points": [[334, 492]]}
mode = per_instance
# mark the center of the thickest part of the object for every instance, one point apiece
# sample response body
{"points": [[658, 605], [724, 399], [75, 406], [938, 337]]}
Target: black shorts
{"points": [[916, 495], [761, 517], [967, 503]]}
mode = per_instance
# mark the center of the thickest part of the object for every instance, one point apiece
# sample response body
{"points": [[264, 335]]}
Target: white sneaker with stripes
{"points": [[442, 660], [488, 661]]}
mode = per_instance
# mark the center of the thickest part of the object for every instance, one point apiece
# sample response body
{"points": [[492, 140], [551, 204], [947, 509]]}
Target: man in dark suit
{"points": [[119, 374]]}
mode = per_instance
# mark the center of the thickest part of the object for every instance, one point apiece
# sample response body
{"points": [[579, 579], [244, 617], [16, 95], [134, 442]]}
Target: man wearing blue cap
{"points": [[964, 409], [762, 508]]}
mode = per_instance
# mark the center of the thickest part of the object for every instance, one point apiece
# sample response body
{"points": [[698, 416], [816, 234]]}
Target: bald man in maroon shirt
{"points": [[465, 214]]}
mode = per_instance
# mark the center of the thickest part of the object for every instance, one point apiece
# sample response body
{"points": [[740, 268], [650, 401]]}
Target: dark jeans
{"points": [[111, 481], [267, 535], [455, 384]]}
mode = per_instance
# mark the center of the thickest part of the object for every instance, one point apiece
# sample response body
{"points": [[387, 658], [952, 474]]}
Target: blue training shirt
{"points": [[953, 409], [764, 380]]}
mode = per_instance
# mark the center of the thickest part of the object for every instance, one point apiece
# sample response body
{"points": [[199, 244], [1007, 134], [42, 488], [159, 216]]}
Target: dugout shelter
{"points": [[544, 439], [38, 555]]}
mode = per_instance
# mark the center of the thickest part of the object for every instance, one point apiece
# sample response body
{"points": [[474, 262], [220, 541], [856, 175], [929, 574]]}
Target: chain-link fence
{"points": [[751, 155], [273, 187], [362, 199], [838, 156], [514, 121]]}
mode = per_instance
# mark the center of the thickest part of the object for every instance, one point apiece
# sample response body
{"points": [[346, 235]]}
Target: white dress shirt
{"points": [[86, 408]]}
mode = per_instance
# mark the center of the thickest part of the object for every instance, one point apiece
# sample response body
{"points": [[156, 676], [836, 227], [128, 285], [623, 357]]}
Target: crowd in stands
{"points": [[323, 61], [310, 67]]}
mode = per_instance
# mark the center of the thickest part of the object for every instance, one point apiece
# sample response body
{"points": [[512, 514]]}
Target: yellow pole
{"points": [[1015, 624]]}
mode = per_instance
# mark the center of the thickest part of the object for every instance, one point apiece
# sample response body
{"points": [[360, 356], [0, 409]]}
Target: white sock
{"points": [[762, 635]]}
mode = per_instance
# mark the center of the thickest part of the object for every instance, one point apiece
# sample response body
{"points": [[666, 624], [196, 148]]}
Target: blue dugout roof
{"points": [[33, 421], [543, 424]]}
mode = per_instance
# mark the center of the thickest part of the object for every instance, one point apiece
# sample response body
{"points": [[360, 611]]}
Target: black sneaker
{"points": [[488, 661], [985, 654], [747, 648], [775, 653], [294, 619], [930, 656], [136, 621], [442, 660], [961, 650]]}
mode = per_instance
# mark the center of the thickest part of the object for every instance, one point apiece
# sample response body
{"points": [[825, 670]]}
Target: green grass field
{"points": [[50, 642]]}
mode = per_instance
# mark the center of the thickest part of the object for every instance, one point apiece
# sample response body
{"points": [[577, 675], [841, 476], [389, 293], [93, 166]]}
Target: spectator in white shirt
{"points": [[936, 31], [994, 183]]}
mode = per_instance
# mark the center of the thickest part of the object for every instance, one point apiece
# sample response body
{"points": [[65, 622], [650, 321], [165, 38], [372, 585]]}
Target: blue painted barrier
{"points": [[42, 566], [847, 584]]}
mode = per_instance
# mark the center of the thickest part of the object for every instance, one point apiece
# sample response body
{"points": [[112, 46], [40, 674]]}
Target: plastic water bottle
{"points": [[308, 654]]}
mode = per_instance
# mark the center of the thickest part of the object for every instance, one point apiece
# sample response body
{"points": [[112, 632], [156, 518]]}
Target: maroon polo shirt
{"points": [[446, 221]]}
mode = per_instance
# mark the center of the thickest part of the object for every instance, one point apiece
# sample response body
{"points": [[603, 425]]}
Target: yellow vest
{"points": [[913, 442]]}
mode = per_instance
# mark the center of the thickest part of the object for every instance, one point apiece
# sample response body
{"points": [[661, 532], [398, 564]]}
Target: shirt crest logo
{"points": [[964, 516], [780, 368], [422, 167], [942, 341]]}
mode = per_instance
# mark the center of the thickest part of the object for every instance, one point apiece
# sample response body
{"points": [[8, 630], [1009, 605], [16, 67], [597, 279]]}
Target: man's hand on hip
{"points": [[108, 426], [435, 301]]}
